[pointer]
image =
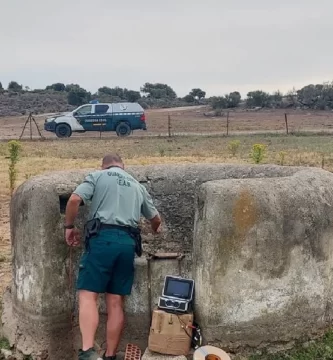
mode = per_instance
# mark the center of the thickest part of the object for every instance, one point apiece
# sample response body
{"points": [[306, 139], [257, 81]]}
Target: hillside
{"points": [[16, 104], [42, 102]]}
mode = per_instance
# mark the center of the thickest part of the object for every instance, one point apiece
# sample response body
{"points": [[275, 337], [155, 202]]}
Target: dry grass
{"points": [[43, 156]]}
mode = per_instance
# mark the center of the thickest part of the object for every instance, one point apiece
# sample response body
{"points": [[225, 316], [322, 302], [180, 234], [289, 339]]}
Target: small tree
{"points": [[291, 97], [258, 98], [14, 86], [116, 92], [56, 87], [131, 95], [197, 94], [14, 148], [76, 95], [282, 155], [1, 87], [189, 99], [258, 153], [219, 102], [233, 99], [158, 91], [105, 90], [233, 147], [276, 99], [309, 95]]}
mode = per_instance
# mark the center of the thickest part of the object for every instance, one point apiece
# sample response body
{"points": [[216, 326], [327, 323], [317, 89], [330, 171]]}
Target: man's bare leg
{"points": [[88, 318], [115, 323]]}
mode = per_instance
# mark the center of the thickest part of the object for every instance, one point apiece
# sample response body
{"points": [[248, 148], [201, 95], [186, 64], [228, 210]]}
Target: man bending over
{"points": [[107, 265]]}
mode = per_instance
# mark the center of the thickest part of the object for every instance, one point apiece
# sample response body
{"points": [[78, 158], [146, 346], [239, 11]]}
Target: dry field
{"points": [[43, 156], [191, 120]]}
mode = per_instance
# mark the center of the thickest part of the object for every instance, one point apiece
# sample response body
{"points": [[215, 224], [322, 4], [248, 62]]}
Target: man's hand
{"points": [[73, 237], [155, 223], [159, 229]]}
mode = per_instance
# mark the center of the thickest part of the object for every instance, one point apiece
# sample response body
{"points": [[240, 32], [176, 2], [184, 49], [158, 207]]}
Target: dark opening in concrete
{"points": [[63, 199]]}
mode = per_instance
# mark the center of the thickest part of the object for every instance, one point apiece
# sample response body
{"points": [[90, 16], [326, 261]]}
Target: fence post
{"points": [[228, 123], [169, 125], [286, 120], [30, 129]]}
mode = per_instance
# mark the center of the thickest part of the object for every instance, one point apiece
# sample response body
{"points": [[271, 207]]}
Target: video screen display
{"points": [[178, 288]]}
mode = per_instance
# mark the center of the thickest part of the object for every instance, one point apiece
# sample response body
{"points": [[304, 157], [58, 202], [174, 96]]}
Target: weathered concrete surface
{"points": [[40, 296], [173, 188], [263, 258]]}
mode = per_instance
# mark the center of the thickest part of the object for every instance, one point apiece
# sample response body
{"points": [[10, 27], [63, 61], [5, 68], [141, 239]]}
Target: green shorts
{"points": [[108, 265]]}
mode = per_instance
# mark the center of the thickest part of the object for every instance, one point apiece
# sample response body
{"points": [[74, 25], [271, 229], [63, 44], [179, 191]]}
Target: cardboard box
{"points": [[169, 333]]}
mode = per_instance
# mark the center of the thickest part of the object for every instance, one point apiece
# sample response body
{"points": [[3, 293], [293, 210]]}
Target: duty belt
{"points": [[94, 226], [135, 233]]}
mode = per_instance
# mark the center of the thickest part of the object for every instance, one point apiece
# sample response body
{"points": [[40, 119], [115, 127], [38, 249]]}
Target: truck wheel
{"points": [[123, 129], [63, 131]]}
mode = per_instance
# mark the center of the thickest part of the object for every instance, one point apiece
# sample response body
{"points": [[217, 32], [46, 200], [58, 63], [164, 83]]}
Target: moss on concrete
{"points": [[321, 349], [4, 343]]}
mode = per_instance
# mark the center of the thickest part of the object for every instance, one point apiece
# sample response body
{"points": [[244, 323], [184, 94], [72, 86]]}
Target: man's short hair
{"points": [[110, 159]]}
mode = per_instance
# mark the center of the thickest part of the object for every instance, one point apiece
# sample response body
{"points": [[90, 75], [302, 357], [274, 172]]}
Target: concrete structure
{"points": [[263, 259], [262, 244]]}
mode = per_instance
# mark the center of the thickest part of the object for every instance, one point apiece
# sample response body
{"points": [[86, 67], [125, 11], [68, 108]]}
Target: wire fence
{"points": [[233, 123], [196, 122]]}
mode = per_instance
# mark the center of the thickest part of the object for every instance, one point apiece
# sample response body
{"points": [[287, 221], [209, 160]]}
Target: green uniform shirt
{"points": [[116, 197]]}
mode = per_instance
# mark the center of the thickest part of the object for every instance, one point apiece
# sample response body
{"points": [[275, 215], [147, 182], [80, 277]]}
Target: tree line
{"points": [[319, 96]]}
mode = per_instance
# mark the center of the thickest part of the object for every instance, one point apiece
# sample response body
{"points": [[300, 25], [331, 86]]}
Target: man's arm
{"points": [[82, 193], [150, 212], [72, 209]]}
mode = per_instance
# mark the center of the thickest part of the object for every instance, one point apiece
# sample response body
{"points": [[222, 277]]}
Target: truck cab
{"points": [[123, 118]]}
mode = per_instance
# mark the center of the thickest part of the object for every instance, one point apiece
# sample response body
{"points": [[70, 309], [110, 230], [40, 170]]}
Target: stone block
{"points": [[263, 259]]}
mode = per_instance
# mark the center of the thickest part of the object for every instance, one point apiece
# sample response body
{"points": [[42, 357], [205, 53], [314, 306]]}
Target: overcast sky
{"points": [[217, 45]]}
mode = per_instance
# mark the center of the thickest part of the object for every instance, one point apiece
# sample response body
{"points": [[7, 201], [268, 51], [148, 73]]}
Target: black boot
{"points": [[109, 357], [90, 354]]}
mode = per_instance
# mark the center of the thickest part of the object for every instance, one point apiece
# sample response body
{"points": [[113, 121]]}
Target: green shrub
{"points": [[282, 155], [14, 148], [258, 153], [161, 151], [233, 147]]}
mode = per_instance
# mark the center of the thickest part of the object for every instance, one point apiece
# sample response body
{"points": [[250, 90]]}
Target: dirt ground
{"points": [[191, 120]]}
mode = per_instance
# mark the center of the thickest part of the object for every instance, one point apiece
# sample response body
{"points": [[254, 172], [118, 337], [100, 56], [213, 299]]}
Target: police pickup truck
{"points": [[122, 118]]}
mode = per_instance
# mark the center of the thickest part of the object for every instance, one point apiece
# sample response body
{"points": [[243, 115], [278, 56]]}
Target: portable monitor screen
{"points": [[178, 288]]}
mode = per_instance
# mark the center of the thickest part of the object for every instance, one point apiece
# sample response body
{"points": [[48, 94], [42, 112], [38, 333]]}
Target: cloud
{"points": [[217, 45]]}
